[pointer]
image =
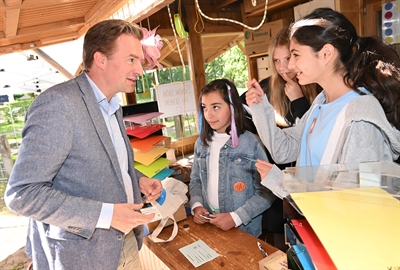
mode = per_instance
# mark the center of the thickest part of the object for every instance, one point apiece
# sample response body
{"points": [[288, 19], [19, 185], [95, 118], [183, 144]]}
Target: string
{"points": [[183, 74], [233, 21]]}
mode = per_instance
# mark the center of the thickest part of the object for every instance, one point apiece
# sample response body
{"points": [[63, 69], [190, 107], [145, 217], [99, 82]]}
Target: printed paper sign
{"points": [[175, 98]]}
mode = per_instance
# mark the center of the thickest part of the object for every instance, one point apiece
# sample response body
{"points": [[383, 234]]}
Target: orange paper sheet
{"points": [[359, 228], [147, 143], [148, 157]]}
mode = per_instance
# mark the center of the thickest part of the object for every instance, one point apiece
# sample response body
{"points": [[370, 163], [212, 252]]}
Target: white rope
{"points": [[183, 76], [233, 21], [176, 39]]}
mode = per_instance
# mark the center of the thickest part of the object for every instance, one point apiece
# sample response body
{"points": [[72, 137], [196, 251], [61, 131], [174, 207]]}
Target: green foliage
{"points": [[170, 75], [18, 109], [231, 65]]}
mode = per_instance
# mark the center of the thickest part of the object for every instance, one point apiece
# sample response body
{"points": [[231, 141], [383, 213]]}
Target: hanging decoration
{"points": [[152, 45]]}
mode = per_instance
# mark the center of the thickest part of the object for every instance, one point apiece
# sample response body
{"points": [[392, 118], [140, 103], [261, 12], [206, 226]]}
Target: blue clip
{"points": [[162, 197]]}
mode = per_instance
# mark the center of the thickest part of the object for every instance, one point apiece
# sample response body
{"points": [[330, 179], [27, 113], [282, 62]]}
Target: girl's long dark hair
{"points": [[221, 86], [365, 61]]}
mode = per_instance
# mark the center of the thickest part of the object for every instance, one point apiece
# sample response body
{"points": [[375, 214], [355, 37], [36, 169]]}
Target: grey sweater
{"points": [[361, 134]]}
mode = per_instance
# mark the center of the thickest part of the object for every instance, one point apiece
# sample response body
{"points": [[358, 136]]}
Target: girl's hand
{"points": [[263, 167], [197, 212], [223, 221], [292, 88], [254, 92]]}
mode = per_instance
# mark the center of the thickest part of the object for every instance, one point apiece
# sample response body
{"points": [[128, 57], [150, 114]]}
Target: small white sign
{"points": [[175, 98]]}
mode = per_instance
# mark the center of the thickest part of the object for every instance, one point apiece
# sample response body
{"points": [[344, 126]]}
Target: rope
{"points": [[183, 71], [233, 21]]}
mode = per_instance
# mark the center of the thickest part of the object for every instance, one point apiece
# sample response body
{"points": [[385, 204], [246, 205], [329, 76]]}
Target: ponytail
{"points": [[375, 66]]}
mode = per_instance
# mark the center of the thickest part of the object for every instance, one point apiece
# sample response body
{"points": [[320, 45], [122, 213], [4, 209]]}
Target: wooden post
{"points": [[5, 152], [195, 51]]}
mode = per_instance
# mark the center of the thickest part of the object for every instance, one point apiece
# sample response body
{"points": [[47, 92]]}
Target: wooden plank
{"points": [[225, 3], [195, 52], [43, 28], [32, 4], [184, 141], [54, 63], [11, 19], [105, 10], [11, 3], [236, 248], [224, 49], [150, 10], [171, 47], [60, 38]]}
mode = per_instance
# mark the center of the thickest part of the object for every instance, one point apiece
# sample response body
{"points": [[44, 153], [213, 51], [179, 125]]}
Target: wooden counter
{"points": [[237, 249]]}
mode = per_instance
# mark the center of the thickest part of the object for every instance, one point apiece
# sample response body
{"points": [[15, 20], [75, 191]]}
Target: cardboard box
{"points": [[276, 260], [179, 215], [257, 42]]}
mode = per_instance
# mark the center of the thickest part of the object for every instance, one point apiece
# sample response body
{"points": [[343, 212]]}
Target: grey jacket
{"points": [[361, 134], [67, 167]]}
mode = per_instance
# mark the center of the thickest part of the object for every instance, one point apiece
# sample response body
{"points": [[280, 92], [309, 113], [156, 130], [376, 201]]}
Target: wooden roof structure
{"points": [[30, 24]]}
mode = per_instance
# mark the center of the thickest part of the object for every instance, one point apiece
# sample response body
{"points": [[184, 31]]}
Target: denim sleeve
{"points": [[262, 198], [195, 184]]}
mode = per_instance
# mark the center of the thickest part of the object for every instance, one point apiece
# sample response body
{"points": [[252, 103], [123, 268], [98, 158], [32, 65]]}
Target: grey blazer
{"points": [[67, 167]]}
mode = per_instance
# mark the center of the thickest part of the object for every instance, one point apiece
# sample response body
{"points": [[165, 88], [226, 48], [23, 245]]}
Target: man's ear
{"points": [[100, 60]]}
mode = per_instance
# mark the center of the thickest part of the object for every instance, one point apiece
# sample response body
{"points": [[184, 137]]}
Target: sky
{"points": [[19, 76]]}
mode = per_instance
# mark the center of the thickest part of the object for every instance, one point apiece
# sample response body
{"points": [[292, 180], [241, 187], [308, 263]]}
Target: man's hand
{"points": [[254, 92], [224, 221], [126, 216], [151, 188], [263, 167]]}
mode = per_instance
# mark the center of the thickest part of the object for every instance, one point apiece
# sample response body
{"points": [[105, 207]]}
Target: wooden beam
{"points": [[10, 49], [184, 141], [169, 48], [239, 44], [101, 11], [195, 51], [225, 3], [223, 49], [166, 64], [12, 3], [60, 38], [11, 19], [32, 4], [54, 63], [238, 33], [55, 25], [150, 10], [275, 5]]}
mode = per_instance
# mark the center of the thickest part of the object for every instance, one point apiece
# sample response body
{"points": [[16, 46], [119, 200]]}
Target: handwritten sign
{"points": [[175, 98]]}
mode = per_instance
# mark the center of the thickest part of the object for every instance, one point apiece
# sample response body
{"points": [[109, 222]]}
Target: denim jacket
{"points": [[234, 167]]}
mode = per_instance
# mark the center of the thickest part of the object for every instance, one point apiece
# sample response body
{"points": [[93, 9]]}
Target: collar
{"points": [[111, 106]]}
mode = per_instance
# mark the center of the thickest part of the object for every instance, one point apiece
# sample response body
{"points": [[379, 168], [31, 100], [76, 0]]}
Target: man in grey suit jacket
{"points": [[74, 175]]}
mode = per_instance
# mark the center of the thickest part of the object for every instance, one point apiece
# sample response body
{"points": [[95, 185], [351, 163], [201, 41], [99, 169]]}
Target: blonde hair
{"points": [[277, 96]]}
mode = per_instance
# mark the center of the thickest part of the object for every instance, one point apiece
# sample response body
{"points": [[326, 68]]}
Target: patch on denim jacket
{"points": [[239, 186]]}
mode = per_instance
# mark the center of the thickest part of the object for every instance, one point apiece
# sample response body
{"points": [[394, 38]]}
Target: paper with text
{"points": [[198, 253]]}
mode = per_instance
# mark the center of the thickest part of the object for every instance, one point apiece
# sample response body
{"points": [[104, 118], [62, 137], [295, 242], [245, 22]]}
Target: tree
{"points": [[231, 65]]}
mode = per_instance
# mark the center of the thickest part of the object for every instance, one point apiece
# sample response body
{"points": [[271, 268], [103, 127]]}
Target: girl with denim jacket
{"points": [[225, 184]]}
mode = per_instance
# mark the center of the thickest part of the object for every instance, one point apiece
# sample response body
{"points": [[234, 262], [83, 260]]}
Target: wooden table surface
{"points": [[236, 248]]}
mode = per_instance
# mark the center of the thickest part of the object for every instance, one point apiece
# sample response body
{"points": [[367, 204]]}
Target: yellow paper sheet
{"points": [[153, 168], [359, 228], [148, 157]]}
